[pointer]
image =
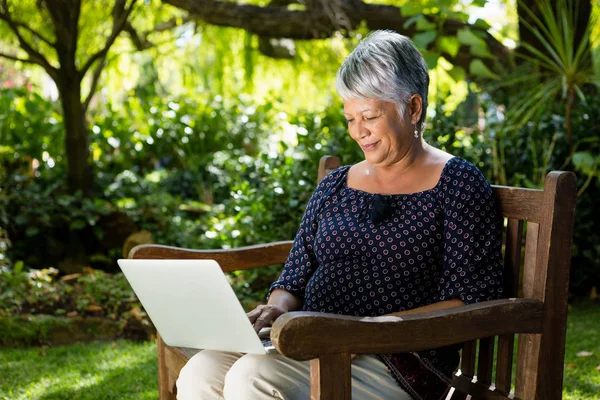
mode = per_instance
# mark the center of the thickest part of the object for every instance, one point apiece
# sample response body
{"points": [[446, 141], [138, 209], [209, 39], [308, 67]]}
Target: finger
{"points": [[265, 319], [254, 314]]}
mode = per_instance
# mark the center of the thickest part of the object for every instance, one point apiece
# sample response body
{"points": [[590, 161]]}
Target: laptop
{"points": [[191, 304]]}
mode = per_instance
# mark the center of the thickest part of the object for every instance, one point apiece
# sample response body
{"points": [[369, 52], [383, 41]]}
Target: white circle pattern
{"points": [[436, 245]]}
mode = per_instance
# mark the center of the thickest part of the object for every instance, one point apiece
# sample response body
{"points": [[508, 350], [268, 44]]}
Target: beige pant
{"points": [[235, 376]]}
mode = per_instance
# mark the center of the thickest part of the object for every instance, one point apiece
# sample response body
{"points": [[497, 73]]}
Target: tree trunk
{"points": [[77, 138]]}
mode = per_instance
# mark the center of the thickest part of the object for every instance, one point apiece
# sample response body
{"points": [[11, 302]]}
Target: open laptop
{"points": [[191, 304]]}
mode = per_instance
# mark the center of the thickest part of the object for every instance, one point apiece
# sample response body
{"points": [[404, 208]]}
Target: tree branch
{"points": [[140, 39], [319, 21], [34, 56], [94, 84], [14, 58], [35, 33], [121, 15]]}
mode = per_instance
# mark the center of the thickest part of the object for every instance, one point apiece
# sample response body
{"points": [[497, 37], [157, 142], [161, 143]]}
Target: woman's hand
{"points": [[280, 302], [264, 315]]}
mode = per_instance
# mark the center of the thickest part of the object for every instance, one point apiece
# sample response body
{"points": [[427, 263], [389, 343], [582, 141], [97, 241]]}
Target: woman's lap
{"points": [[217, 375]]}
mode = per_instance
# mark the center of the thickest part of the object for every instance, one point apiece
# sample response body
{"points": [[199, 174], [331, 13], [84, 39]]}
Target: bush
{"points": [[203, 173], [94, 293]]}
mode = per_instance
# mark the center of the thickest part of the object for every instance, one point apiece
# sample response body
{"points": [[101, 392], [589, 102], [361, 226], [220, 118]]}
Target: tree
{"points": [[319, 19], [70, 40]]}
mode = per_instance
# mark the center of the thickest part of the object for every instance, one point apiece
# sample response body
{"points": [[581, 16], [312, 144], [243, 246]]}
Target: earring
{"points": [[416, 132]]}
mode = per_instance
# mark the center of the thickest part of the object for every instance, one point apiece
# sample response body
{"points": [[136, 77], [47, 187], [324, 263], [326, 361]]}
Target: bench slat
{"points": [[229, 259]]}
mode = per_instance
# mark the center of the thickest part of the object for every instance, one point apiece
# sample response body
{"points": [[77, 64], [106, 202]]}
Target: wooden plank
{"points": [[531, 251], [330, 377], [504, 358], [526, 349], [165, 391], [546, 277], [174, 359], [467, 363], [456, 394], [485, 360], [326, 165], [519, 203], [173, 385], [512, 257], [467, 367], [241, 258], [307, 335], [478, 390], [551, 284], [512, 267]]}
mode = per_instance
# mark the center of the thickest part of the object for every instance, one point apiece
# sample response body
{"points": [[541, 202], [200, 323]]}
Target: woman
{"points": [[409, 229]]}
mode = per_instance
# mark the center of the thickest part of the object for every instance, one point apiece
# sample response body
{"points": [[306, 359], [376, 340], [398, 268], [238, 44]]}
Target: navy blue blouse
{"points": [[435, 245]]}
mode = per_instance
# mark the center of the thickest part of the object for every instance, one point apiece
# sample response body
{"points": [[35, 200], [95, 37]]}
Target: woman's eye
{"points": [[371, 118], [349, 120]]}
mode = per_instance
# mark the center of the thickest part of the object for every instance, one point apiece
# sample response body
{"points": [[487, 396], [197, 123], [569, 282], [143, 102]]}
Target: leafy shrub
{"points": [[203, 173], [94, 293]]}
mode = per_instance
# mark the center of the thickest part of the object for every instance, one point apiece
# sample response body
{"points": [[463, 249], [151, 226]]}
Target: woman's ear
{"points": [[415, 108]]}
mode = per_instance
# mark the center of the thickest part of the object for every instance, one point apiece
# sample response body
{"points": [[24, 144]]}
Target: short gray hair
{"points": [[384, 66]]}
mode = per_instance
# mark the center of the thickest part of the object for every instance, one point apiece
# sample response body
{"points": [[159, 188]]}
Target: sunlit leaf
{"points": [[431, 59], [457, 73], [448, 44], [467, 37], [478, 68], [411, 8], [422, 40], [424, 25], [480, 23], [584, 160]]}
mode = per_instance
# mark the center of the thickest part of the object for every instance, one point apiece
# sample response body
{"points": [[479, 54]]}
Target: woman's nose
{"points": [[360, 131]]}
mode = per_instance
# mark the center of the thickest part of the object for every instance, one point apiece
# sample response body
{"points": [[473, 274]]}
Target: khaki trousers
{"points": [[237, 376]]}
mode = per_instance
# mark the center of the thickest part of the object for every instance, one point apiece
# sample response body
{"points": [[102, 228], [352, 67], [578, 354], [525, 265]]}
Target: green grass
{"points": [[111, 370], [127, 370], [582, 379]]}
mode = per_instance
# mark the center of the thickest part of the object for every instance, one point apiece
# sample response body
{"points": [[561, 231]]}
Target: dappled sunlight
{"points": [[100, 370]]}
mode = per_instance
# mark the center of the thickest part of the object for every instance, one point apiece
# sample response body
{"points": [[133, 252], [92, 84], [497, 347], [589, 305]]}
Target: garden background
{"points": [[194, 124]]}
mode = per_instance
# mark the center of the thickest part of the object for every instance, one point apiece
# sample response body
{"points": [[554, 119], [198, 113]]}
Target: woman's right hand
{"points": [[264, 315]]}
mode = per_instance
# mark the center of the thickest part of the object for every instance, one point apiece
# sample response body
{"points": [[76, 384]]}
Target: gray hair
{"points": [[384, 66]]}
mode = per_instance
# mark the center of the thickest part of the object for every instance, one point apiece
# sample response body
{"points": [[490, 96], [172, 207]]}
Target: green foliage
{"points": [[235, 191], [41, 219], [562, 68], [429, 17], [30, 128], [95, 293]]}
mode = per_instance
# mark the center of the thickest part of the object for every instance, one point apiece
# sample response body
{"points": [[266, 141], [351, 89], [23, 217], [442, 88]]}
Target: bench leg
{"points": [[164, 386], [330, 377]]}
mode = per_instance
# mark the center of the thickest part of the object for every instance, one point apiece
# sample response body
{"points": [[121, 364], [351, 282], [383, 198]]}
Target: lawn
{"points": [[127, 370], [113, 370]]}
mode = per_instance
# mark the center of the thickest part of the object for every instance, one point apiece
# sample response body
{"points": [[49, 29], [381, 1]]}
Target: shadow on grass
{"points": [[120, 383], [117, 370]]}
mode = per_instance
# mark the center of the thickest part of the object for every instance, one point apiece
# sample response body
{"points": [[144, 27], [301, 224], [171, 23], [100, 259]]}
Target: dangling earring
{"points": [[416, 132]]}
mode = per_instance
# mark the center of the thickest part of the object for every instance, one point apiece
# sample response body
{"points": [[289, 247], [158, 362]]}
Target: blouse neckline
{"points": [[420, 193]]}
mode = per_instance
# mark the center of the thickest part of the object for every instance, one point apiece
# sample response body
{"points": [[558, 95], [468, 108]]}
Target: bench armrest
{"points": [[308, 335], [235, 259]]}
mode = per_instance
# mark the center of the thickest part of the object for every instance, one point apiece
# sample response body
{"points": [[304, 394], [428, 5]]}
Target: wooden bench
{"points": [[536, 285]]}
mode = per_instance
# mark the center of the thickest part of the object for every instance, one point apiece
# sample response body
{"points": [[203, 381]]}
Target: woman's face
{"points": [[377, 127]]}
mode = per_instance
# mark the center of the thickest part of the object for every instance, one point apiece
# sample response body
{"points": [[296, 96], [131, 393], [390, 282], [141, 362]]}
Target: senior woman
{"points": [[409, 229]]}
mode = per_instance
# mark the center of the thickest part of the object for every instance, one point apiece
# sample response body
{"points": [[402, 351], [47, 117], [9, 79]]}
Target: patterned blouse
{"points": [[363, 254]]}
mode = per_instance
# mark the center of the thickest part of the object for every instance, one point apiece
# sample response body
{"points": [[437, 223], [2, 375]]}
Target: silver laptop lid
{"points": [[191, 304]]}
